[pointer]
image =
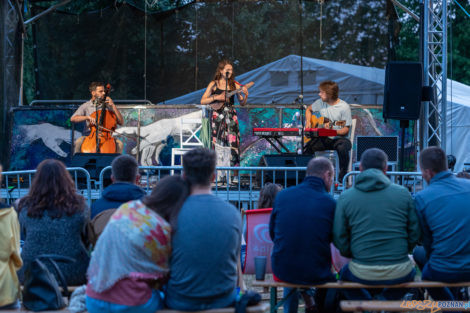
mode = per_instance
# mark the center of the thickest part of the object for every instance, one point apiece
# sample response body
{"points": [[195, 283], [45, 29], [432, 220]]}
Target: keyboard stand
{"points": [[273, 144]]}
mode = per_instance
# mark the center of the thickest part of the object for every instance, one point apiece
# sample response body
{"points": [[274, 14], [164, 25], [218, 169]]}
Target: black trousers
{"points": [[341, 145]]}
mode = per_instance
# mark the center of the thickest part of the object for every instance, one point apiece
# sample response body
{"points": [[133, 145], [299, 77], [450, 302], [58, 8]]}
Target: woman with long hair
{"points": [[267, 195], [131, 258], [52, 219], [224, 122]]}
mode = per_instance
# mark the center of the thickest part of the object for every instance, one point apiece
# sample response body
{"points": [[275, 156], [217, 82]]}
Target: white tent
{"points": [[279, 82], [458, 122]]}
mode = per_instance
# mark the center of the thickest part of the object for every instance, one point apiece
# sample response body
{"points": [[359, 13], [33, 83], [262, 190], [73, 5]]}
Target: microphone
{"points": [[299, 98], [227, 74], [295, 118]]}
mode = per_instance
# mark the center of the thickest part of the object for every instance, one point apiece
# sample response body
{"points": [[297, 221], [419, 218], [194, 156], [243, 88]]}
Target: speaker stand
{"points": [[404, 124]]}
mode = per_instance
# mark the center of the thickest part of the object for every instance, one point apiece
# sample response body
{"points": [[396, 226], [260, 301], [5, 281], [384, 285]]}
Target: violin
{"points": [[100, 139]]}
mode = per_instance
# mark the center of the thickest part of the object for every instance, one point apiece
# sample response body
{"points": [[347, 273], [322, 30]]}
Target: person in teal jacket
{"points": [[376, 225]]}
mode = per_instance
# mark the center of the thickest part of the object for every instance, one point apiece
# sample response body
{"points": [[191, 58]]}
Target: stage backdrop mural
{"points": [[40, 133]]}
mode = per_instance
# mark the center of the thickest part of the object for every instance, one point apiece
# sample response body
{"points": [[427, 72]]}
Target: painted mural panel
{"points": [[40, 133]]}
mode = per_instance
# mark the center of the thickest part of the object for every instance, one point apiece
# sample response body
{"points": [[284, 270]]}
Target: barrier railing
{"points": [[117, 101], [17, 183], [239, 185], [412, 180]]}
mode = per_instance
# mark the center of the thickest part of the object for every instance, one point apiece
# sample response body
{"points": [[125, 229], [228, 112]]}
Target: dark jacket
{"points": [[114, 195], [301, 228]]}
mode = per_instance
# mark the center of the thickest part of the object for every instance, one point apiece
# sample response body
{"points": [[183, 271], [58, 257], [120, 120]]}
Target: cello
{"points": [[100, 139]]}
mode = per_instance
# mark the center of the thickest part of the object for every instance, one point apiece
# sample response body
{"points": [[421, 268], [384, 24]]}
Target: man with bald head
{"points": [[301, 228], [376, 225]]}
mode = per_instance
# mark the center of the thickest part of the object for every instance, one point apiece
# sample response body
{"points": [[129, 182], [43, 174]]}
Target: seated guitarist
{"points": [[337, 113], [84, 112]]}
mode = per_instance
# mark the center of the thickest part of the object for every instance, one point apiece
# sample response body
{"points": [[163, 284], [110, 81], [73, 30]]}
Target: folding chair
{"points": [[258, 241], [189, 139]]}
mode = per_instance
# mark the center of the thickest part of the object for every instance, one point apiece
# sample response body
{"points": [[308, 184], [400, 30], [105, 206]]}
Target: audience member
{"points": [[301, 227], [124, 175], [451, 160], [10, 259], [376, 225], [462, 174], [267, 195], [131, 259], [205, 247], [52, 219], [443, 211]]}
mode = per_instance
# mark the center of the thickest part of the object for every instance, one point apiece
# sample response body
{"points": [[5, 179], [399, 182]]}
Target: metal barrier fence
{"points": [[17, 183], [412, 180], [117, 101], [238, 185]]}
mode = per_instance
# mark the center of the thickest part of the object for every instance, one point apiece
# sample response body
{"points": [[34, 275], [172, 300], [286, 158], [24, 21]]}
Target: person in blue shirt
{"points": [[206, 243], [443, 209]]}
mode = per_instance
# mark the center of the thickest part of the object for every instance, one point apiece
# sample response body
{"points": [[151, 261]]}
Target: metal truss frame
{"points": [[10, 75], [435, 71], [11, 83]]}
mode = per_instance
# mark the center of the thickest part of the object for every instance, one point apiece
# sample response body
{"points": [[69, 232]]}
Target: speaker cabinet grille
{"points": [[388, 144], [403, 90], [284, 160], [94, 163]]}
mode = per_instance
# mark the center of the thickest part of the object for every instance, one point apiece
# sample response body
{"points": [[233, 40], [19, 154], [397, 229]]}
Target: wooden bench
{"points": [[399, 306], [261, 307], [24, 311], [272, 286]]}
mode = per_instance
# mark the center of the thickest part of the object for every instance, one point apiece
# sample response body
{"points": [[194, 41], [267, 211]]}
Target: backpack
{"points": [[96, 226], [41, 291]]}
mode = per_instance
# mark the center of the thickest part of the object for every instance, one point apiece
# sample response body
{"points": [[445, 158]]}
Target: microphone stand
{"points": [[97, 128], [302, 118], [226, 86], [225, 100]]}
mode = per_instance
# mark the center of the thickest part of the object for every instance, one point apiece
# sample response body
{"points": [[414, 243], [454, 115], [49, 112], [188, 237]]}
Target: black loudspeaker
{"points": [[93, 163], [284, 160], [389, 144], [403, 90]]}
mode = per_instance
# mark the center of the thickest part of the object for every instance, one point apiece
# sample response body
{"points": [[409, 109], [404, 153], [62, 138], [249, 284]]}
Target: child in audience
{"points": [[267, 195], [131, 258], [10, 259], [52, 218]]}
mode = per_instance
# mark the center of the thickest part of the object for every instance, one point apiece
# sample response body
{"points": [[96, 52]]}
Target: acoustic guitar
{"points": [[216, 105], [323, 122]]}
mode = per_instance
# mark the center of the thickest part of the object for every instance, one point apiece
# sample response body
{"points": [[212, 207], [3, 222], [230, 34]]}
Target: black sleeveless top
{"points": [[218, 91]]}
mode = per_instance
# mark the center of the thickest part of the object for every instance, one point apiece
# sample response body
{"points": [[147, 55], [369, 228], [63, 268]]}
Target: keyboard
{"points": [[281, 132]]}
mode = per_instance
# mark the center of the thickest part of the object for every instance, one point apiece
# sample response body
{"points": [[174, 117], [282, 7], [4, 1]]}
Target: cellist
{"points": [[83, 113]]}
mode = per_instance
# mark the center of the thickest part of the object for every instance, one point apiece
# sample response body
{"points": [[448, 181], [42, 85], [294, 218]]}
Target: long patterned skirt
{"points": [[226, 132]]}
